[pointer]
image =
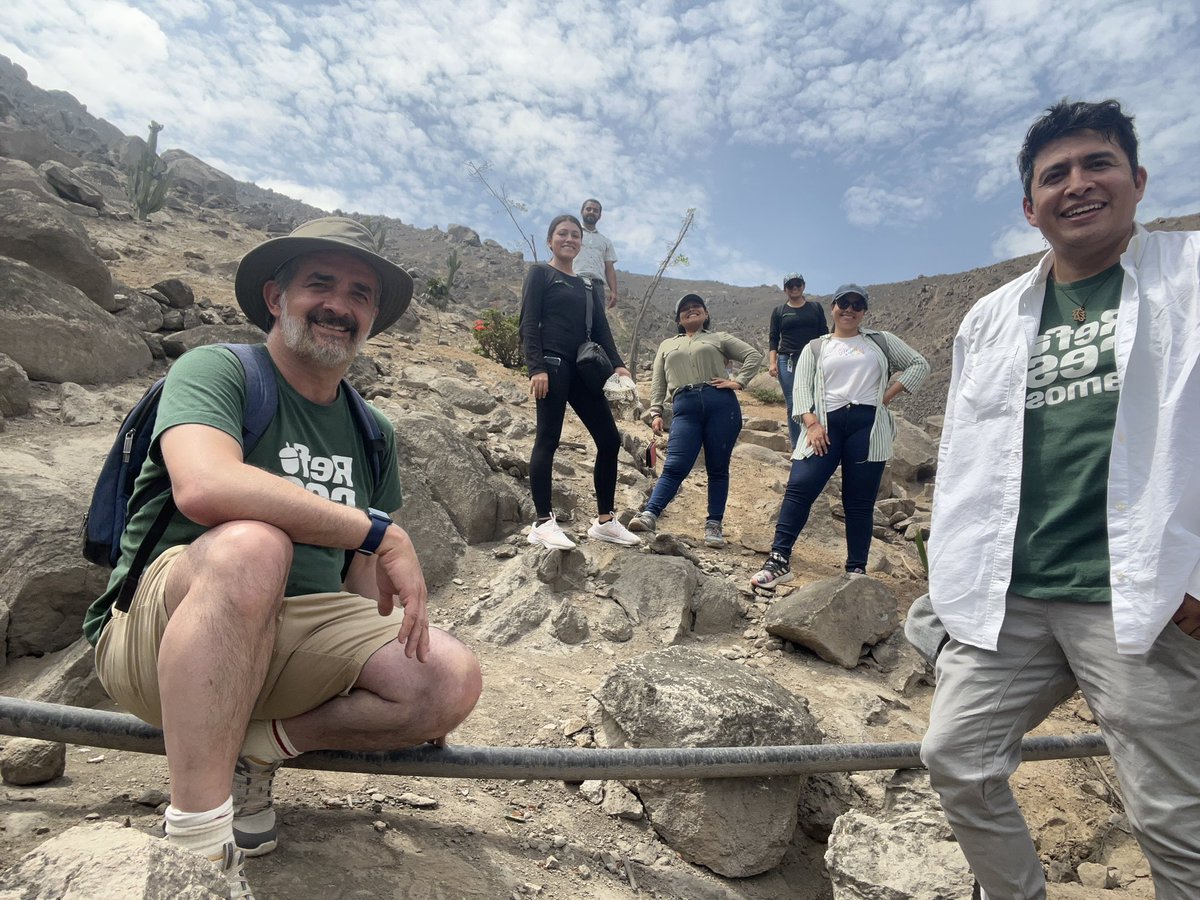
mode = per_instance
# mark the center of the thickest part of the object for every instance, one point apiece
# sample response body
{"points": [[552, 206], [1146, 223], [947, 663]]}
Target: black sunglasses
{"points": [[855, 303]]}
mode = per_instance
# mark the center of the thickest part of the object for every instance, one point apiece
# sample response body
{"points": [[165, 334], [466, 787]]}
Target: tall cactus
{"points": [[148, 178]]}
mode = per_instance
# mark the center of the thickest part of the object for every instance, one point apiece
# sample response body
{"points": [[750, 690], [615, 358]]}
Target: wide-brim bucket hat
{"points": [[339, 233]]}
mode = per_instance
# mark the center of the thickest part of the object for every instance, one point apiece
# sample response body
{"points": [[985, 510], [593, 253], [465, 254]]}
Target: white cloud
{"points": [[868, 205], [1017, 240], [897, 105]]}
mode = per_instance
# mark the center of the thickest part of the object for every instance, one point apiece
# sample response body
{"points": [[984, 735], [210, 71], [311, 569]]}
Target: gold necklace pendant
{"points": [[1079, 314]]}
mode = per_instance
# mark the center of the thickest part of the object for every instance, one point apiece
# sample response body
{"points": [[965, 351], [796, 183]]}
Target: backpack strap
{"points": [[262, 400], [262, 393]]}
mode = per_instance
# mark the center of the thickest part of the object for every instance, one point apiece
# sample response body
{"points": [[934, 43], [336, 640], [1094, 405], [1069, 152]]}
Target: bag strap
{"points": [[591, 299]]}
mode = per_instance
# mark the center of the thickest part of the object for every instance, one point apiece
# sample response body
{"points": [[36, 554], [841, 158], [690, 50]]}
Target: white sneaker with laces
{"points": [[232, 863], [548, 534], [613, 532]]}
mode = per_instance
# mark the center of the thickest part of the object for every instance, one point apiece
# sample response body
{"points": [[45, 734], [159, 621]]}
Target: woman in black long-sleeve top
{"points": [[553, 326]]}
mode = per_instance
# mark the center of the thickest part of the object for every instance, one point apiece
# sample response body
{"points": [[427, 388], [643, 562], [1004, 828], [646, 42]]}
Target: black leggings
{"points": [[596, 417]]}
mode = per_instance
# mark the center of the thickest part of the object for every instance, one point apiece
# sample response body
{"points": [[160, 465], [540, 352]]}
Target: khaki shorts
{"points": [[322, 641]]}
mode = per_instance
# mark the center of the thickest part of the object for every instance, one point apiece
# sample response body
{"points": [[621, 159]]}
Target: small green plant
{"points": [[767, 395], [499, 339], [921, 552], [148, 178]]}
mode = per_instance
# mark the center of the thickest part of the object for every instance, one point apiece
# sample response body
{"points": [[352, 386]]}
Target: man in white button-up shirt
{"points": [[1065, 543]]}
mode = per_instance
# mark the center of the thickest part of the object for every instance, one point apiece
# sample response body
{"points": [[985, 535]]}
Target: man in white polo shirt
{"points": [[597, 259]]}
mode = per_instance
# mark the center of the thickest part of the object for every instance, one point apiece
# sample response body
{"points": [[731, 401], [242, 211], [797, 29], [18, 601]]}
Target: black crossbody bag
{"points": [[592, 364]]}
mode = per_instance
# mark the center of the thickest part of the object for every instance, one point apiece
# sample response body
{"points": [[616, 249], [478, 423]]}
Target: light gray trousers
{"points": [[1148, 708]]}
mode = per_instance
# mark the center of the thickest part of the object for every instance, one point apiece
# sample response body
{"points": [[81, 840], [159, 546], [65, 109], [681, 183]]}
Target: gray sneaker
{"points": [[713, 537], [254, 826], [644, 521]]}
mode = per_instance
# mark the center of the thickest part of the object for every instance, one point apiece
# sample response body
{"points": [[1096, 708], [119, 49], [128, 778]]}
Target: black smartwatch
{"points": [[379, 524]]}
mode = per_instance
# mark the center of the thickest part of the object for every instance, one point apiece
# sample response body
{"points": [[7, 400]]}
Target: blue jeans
{"points": [[707, 417], [849, 431], [787, 378]]}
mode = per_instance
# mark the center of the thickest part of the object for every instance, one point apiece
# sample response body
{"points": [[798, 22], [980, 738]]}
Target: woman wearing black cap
{"points": [[690, 369], [844, 383], [553, 326], [793, 325]]}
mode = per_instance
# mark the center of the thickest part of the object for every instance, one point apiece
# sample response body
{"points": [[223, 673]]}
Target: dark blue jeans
{"points": [[849, 431], [710, 418], [787, 377], [593, 412]]}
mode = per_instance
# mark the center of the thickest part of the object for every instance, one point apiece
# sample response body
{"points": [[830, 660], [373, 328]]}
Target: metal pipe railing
{"points": [[117, 731]]}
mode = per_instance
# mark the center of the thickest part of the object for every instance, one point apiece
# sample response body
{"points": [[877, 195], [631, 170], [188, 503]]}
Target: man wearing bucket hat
{"points": [[252, 636]]}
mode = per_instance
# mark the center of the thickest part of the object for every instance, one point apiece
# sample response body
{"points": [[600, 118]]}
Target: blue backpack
{"points": [[111, 506]]}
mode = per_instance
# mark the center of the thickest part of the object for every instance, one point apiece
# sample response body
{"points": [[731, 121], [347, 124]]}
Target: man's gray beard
{"points": [[298, 337]]}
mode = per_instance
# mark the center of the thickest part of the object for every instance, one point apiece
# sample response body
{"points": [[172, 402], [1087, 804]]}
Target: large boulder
{"points": [[196, 179], [914, 454], [16, 174], [464, 396], [70, 186], [458, 477], [904, 851], [32, 146], [834, 618], [45, 583], [14, 388], [670, 597], [57, 334], [107, 860], [685, 698], [181, 342], [29, 761], [49, 238]]}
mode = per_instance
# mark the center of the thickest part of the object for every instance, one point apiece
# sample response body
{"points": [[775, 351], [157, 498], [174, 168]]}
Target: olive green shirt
{"points": [[698, 360]]}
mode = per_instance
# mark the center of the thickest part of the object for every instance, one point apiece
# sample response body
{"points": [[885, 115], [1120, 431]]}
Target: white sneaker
{"points": [[613, 532], [548, 534]]}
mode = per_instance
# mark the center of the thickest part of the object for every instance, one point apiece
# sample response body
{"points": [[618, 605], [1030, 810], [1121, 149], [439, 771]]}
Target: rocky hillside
{"points": [[603, 647]]}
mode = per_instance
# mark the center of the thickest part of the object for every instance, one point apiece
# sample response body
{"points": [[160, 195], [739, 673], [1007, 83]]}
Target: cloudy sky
{"points": [[848, 139]]}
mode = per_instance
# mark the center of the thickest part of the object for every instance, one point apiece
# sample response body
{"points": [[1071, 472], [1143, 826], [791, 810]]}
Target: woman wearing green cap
{"points": [[844, 383], [690, 369]]}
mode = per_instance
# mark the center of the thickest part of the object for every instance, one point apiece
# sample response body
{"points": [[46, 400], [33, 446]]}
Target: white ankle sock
{"points": [[267, 742], [202, 832]]}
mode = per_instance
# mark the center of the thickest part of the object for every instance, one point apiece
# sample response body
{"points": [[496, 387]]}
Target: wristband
{"points": [[379, 526]]}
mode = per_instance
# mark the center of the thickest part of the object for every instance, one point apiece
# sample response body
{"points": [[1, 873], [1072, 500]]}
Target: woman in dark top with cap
{"points": [[793, 325], [553, 326]]}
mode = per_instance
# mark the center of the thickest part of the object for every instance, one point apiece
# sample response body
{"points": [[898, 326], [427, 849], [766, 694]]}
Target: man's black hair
{"points": [[1066, 117]]}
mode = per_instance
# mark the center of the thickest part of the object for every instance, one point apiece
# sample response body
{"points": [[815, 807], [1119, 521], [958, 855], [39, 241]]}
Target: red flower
{"points": [[479, 326]]}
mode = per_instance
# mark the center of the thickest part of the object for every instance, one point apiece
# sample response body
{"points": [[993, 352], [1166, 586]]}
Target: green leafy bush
{"points": [[499, 339], [767, 395]]}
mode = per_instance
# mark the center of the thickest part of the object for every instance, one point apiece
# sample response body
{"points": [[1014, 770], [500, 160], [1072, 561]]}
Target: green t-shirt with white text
{"points": [[1061, 547], [317, 447]]}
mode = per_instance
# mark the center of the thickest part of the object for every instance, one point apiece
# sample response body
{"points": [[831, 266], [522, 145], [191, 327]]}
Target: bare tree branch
{"points": [[509, 204], [653, 286]]}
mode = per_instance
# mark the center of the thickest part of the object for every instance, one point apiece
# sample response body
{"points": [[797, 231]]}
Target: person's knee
{"points": [[245, 562]]}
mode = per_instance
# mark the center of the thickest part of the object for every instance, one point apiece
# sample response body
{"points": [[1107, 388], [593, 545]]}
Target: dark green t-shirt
{"points": [[1061, 547], [317, 447]]}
